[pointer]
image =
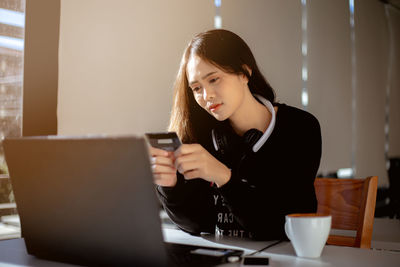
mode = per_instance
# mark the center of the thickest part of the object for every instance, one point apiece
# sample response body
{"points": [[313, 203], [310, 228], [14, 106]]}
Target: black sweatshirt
{"points": [[264, 186]]}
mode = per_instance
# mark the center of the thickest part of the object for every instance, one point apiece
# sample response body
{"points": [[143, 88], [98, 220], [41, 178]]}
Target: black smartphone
{"points": [[254, 261], [164, 140], [212, 256]]}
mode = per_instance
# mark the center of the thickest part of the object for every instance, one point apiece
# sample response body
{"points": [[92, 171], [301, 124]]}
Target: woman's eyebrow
{"points": [[204, 77]]}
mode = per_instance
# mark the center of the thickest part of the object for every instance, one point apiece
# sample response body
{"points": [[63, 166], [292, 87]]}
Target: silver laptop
{"points": [[86, 200]]}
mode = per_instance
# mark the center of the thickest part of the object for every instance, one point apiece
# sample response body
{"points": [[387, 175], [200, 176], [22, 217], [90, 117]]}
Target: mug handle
{"points": [[287, 231]]}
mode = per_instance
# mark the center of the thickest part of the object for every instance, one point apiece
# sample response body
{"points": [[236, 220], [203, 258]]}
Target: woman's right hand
{"points": [[162, 165]]}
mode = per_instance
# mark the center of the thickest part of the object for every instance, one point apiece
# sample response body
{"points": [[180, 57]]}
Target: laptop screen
{"points": [[87, 200]]}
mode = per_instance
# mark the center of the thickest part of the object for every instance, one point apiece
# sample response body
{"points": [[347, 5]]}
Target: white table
{"points": [[13, 252], [283, 254]]}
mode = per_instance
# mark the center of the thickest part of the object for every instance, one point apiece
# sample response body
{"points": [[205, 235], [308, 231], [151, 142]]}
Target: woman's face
{"points": [[220, 93]]}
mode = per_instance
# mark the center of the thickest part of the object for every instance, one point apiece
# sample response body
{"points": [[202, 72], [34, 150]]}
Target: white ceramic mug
{"points": [[308, 233]]}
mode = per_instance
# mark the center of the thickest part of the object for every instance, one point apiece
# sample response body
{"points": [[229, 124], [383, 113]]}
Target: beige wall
{"points": [[118, 60], [329, 79], [372, 58]]}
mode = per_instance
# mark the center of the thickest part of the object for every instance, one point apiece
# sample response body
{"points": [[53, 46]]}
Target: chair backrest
{"points": [[351, 202]]}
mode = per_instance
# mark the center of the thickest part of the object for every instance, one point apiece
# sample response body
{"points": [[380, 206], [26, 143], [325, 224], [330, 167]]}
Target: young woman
{"points": [[246, 161]]}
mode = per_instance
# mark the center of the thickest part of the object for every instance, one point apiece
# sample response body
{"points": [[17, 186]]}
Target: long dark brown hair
{"points": [[231, 54]]}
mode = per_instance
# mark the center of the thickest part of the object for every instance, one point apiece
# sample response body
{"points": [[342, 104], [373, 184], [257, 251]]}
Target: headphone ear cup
{"points": [[220, 141], [226, 141], [251, 137]]}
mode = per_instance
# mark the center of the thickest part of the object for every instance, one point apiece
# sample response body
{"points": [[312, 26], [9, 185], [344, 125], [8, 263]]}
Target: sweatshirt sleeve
{"points": [[284, 182], [189, 205]]}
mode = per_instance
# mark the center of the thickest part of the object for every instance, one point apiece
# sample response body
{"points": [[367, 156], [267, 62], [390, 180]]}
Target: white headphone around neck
{"points": [[267, 132]]}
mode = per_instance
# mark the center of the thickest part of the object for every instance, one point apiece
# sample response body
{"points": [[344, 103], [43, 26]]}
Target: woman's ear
{"points": [[248, 70]]}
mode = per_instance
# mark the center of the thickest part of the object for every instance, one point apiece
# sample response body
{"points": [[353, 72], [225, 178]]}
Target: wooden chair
{"points": [[351, 202]]}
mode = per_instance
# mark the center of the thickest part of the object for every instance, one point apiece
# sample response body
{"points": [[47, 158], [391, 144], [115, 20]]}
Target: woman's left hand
{"points": [[193, 161]]}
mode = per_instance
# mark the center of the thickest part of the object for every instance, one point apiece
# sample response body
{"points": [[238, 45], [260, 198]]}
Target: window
{"points": [[12, 24]]}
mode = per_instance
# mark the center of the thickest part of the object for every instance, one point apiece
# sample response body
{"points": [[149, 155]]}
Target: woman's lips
{"points": [[215, 107]]}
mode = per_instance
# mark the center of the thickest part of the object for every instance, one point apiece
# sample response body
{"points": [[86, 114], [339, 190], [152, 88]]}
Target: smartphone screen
{"points": [[255, 261]]}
